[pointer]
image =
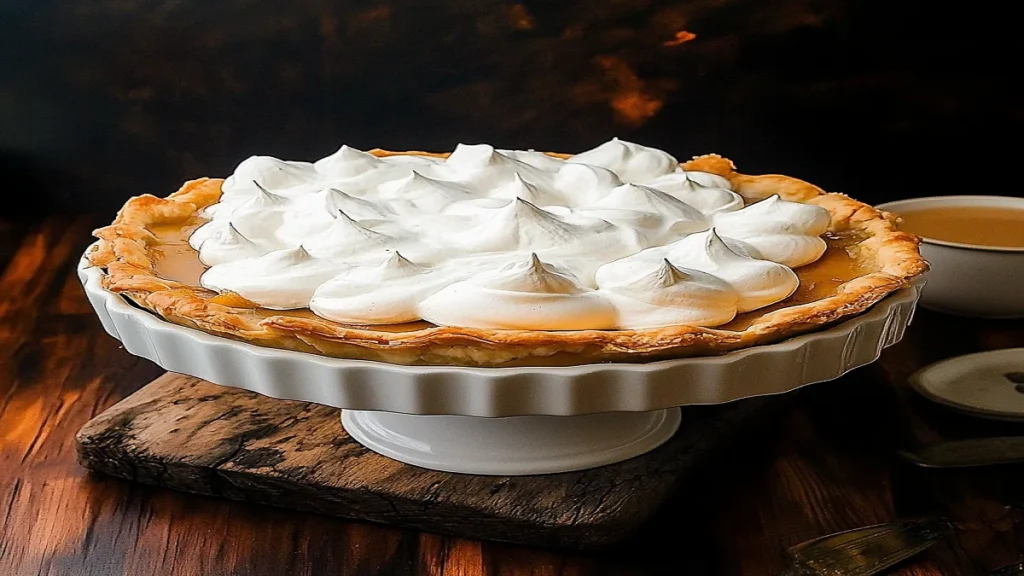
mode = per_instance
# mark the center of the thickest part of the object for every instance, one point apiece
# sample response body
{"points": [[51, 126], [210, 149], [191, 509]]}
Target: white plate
{"points": [[988, 384]]}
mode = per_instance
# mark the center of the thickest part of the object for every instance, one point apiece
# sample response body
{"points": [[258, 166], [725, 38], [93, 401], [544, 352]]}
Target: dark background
{"points": [[103, 100]]}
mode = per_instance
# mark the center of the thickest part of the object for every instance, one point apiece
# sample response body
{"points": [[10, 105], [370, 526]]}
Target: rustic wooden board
{"points": [[188, 434]]}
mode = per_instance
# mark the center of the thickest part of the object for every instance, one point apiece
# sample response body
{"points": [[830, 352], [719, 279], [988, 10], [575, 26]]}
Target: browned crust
{"points": [[125, 252]]}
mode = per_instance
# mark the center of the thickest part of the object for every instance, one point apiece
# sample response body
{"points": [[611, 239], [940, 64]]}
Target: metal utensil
{"points": [[967, 453], [864, 551]]}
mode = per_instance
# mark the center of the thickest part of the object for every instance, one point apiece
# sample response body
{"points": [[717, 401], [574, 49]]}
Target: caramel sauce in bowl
{"points": [[975, 245]]}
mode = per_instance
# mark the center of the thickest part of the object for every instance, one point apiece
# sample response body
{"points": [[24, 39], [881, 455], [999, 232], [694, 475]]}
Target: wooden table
{"points": [[825, 464]]}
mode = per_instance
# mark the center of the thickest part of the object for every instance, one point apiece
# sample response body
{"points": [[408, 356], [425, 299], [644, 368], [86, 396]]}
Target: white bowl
{"points": [[966, 279]]}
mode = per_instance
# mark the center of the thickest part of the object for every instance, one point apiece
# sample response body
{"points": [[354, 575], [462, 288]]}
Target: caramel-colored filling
{"points": [[176, 260], [818, 280]]}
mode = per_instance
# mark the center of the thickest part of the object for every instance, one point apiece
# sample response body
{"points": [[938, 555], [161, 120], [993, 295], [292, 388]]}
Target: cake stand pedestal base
{"points": [[187, 434], [513, 446]]}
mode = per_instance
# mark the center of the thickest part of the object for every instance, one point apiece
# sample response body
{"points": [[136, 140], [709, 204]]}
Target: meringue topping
{"points": [[262, 200], [758, 282], [680, 218], [669, 296], [270, 173], [419, 194], [583, 184], [519, 226], [384, 293], [519, 188], [347, 163], [781, 231], [520, 296], [346, 237], [227, 245], [280, 280], [336, 201], [631, 162], [709, 195], [616, 237]]}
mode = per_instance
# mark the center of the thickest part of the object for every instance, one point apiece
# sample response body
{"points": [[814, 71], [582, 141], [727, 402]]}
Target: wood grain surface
{"points": [[184, 433], [824, 464]]}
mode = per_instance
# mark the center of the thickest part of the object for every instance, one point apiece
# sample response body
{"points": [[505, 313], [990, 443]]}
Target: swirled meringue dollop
{"points": [[577, 245], [679, 218], [485, 168], [582, 184], [630, 162], [669, 296], [616, 237], [536, 195], [417, 194], [520, 225], [227, 245], [355, 170], [707, 195], [259, 215], [381, 293], [758, 282], [280, 280], [334, 201], [348, 162], [270, 173], [347, 238], [525, 295], [781, 231]]}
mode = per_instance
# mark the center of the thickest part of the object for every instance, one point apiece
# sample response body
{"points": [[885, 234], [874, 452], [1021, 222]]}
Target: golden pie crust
{"points": [[130, 247]]}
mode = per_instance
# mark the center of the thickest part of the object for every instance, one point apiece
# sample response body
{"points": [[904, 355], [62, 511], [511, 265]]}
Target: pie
{"points": [[419, 270]]}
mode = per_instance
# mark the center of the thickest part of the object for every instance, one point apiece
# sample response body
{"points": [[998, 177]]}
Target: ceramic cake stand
{"points": [[506, 421]]}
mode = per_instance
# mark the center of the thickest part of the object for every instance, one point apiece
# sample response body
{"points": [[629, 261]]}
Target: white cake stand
{"points": [[506, 421]]}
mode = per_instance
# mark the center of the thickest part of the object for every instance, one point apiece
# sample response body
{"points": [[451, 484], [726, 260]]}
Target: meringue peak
{"points": [[336, 201], [347, 162], [533, 225], [416, 182], [535, 265], [779, 230], [350, 154], [476, 156], [669, 275], [531, 275], [266, 198], [398, 266], [297, 254], [235, 237], [639, 197], [630, 161], [269, 172], [519, 187], [706, 192], [345, 227], [716, 248], [227, 244]]}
